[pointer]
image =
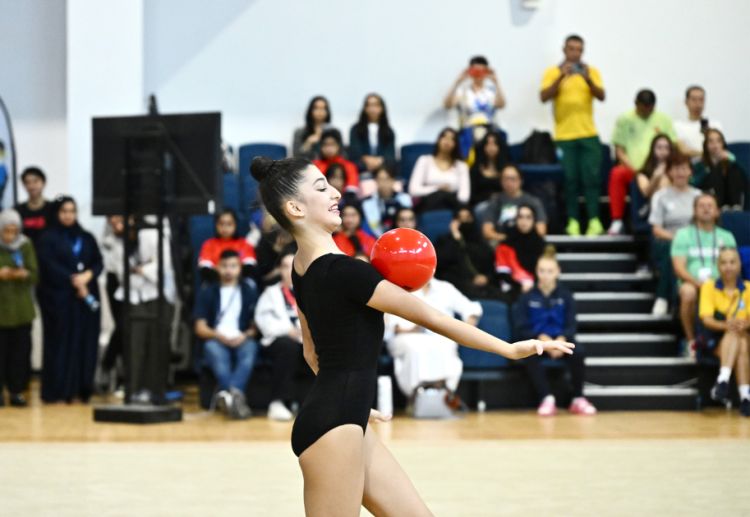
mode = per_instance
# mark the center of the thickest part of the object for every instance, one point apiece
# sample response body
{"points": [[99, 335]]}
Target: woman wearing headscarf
{"points": [[518, 254], [70, 263], [18, 274]]}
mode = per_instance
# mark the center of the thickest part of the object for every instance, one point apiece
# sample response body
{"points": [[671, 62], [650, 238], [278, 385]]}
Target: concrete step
{"points": [[641, 281], [613, 302], [602, 243], [615, 344], [589, 262], [641, 371], [635, 397], [625, 322]]}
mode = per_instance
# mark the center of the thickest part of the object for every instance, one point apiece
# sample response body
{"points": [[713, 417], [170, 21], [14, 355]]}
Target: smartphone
{"points": [[577, 68]]}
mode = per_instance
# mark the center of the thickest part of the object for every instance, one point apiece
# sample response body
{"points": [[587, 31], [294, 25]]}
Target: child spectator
{"points": [[273, 242], [224, 319], [718, 174], [501, 212], [278, 321], [70, 264], [406, 218], [306, 141], [226, 238], [671, 209], [372, 142], [18, 274], [484, 176], [548, 313], [380, 208], [725, 313], [518, 255], [695, 249], [36, 212], [441, 179], [331, 148], [572, 86], [351, 238]]}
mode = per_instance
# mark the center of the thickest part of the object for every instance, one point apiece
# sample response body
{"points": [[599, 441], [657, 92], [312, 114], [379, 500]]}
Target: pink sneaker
{"points": [[581, 406], [547, 407]]}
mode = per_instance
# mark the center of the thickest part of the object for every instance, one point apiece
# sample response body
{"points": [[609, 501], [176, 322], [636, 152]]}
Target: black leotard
{"points": [[348, 335]]}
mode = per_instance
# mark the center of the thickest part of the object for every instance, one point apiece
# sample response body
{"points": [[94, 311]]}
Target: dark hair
{"points": [[309, 123], [402, 209], [57, 205], [700, 196], [385, 132], [646, 97], [574, 37], [706, 158], [479, 60], [677, 159], [334, 133], [228, 254], [355, 205], [691, 88], [502, 152], [649, 166], [515, 168], [33, 171], [278, 181], [335, 167], [460, 208], [388, 169], [456, 153], [222, 213], [2, 146], [526, 205]]}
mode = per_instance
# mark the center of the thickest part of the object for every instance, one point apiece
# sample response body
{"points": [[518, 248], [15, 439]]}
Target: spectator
{"points": [[484, 176], [380, 208], [718, 173], [406, 218], [653, 175], [422, 356], [278, 321], [224, 320], [518, 254], [441, 180], [725, 313], [372, 142], [18, 273], [273, 242], [149, 348], [671, 209], [632, 137], [476, 101], [331, 148], [548, 313], [503, 208], [691, 132], [306, 142], [226, 238], [336, 176], [465, 259], [572, 87], [351, 238], [70, 264], [37, 213], [695, 249]]}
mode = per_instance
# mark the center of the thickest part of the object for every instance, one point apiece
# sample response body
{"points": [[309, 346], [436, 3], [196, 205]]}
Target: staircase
{"points": [[632, 357]]}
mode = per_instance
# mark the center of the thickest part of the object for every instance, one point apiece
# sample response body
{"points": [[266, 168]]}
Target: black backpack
{"points": [[539, 148]]}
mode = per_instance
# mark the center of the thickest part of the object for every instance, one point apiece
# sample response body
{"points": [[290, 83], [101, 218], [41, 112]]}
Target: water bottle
{"points": [[385, 395], [91, 302]]}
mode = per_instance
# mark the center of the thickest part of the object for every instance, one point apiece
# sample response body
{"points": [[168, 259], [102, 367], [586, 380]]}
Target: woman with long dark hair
{"points": [[341, 301], [306, 142], [352, 239], [719, 175], [372, 142], [491, 158], [70, 263]]}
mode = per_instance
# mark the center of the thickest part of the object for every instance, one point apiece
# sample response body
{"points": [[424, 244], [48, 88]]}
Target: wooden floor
{"points": [[54, 460]]}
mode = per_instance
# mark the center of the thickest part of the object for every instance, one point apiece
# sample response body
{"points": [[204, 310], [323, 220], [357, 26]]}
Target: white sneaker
{"points": [[278, 411], [615, 228], [223, 401], [660, 307]]}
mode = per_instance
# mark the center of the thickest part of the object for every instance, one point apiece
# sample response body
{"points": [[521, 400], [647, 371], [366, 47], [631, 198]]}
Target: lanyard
{"points": [[700, 246]]}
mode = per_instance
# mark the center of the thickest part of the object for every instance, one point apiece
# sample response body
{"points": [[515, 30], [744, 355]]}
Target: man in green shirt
{"points": [[634, 131], [695, 250]]}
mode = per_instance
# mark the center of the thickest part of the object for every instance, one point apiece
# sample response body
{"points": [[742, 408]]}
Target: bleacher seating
{"points": [[410, 153], [435, 223], [494, 321]]}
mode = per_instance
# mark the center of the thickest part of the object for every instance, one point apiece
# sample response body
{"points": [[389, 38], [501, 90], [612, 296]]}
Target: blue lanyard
{"points": [[77, 247]]}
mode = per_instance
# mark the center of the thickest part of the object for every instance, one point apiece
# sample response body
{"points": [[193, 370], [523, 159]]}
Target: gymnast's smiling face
{"points": [[317, 205]]}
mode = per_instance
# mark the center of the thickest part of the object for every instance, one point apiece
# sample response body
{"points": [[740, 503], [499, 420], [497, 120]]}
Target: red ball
{"points": [[405, 257]]}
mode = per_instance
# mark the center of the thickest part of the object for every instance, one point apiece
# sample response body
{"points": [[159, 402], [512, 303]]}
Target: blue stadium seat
{"points": [[741, 152], [435, 223], [494, 321], [640, 225], [739, 224], [248, 185], [515, 151], [541, 172], [410, 153], [232, 192]]}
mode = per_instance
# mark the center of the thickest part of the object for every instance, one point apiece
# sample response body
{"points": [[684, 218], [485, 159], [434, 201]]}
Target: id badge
{"points": [[704, 274]]}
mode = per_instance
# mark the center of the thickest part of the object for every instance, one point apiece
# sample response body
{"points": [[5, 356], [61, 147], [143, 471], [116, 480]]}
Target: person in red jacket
{"points": [[518, 254], [226, 238], [331, 146], [351, 238]]}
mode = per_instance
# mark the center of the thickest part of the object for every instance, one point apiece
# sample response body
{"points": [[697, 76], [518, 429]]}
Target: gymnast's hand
{"points": [[377, 416], [535, 346]]}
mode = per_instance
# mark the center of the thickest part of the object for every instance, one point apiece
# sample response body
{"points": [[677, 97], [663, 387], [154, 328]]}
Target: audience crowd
{"points": [[245, 312]]}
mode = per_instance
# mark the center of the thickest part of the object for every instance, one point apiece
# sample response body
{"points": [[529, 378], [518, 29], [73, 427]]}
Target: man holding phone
{"points": [[572, 87], [691, 132], [476, 100]]}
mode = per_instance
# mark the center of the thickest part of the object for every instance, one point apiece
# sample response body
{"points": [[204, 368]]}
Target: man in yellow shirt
{"points": [[572, 86]]}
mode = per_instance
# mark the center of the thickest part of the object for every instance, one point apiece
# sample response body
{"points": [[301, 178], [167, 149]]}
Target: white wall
{"points": [[259, 61]]}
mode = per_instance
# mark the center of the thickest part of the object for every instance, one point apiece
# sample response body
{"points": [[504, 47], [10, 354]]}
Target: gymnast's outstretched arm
{"points": [[392, 299]]}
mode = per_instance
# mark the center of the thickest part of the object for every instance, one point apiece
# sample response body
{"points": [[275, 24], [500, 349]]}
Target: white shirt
{"points": [[428, 178], [372, 135], [144, 287], [229, 311], [689, 133], [476, 107], [272, 316]]}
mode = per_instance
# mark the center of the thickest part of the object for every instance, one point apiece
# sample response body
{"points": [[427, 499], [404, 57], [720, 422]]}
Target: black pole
{"points": [[12, 177]]}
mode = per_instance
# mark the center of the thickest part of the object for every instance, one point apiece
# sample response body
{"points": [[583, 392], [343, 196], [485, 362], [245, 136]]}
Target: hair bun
{"points": [[260, 167]]}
